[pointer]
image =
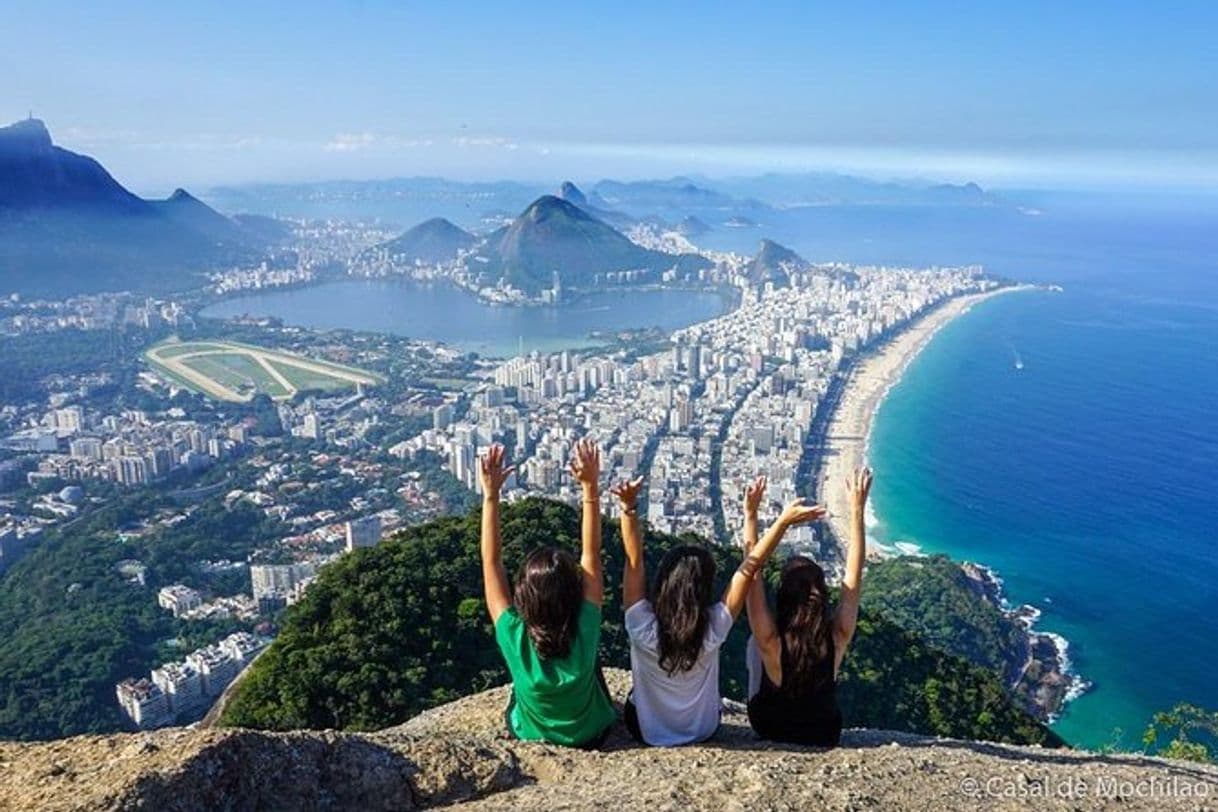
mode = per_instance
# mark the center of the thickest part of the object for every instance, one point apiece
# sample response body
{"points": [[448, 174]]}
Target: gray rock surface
{"points": [[458, 753]]}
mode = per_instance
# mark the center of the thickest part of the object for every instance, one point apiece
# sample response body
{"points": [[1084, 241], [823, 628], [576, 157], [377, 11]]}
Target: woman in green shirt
{"points": [[549, 634]]}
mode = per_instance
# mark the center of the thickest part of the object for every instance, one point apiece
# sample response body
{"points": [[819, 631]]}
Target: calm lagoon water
{"points": [[443, 312]]}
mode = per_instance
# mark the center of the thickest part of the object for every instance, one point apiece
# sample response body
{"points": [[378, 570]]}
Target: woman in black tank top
{"points": [[800, 647]]}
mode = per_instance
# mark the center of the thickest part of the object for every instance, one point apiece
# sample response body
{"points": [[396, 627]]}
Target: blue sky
{"points": [[1007, 93]]}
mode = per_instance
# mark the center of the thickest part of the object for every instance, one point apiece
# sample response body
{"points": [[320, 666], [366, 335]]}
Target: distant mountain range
{"points": [[831, 189], [658, 196], [572, 194], [67, 226], [554, 235], [691, 226]]}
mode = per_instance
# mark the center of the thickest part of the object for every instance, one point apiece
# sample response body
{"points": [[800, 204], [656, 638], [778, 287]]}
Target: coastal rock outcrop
{"points": [[458, 753]]}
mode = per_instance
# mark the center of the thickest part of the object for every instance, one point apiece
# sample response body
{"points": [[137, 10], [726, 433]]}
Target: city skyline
{"points": [[1037, 95]]}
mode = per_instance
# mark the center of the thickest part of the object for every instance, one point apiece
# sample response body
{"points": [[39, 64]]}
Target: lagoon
{"points": [[443, 312]]}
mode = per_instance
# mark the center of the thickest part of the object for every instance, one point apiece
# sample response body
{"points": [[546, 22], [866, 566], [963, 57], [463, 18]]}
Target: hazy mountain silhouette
{"points": [[554, 235], [691, 226], [677, 193], [775, 263], [572, 194], [67, 226], [434, 240], [186, 210]]}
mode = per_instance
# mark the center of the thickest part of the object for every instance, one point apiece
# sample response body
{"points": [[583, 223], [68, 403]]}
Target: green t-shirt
{"points": [[560, 699]]}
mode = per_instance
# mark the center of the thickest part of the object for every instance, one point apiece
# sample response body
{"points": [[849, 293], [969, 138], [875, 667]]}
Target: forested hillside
{"points": [[393, 630]]}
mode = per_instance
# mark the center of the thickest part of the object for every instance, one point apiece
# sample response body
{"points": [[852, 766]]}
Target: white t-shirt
{"points": [[682, 707]]}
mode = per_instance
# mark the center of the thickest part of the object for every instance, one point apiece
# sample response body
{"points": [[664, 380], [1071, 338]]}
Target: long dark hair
{"points": [[682, 597], [803, 620], [549, 594]]}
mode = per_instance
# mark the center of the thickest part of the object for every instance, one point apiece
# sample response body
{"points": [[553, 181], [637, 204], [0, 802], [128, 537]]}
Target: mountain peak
{"points": [[27, 135], [553, 234], [550, 206], [572, 194], [182, 196], [434, 240], [775, 263]]}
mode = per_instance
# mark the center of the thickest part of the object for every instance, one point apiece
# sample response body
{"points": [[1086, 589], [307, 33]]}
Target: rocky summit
{"points": [[458, 753]]}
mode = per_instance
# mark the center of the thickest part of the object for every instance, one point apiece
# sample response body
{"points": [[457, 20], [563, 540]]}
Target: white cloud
{"points": [[486, 141], [350, 142]]}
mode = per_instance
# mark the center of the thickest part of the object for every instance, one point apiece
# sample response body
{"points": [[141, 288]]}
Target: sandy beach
{"points": [[846, 442]]}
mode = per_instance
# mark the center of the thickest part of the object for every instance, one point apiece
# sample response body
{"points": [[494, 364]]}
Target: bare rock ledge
{"points": [[458, 753]]}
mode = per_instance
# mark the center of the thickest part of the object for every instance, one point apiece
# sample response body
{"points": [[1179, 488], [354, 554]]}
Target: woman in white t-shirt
{"points": [[675, 636]]}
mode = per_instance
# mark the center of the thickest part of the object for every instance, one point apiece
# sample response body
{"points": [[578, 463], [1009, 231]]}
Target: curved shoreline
{"points": [[849, 432], [1047, 680]]}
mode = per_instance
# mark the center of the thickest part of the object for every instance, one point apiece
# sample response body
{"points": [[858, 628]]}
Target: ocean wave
{"points": [[885, 550], [1028, 616], [1077, 684], [908, 548], [870, 517]]}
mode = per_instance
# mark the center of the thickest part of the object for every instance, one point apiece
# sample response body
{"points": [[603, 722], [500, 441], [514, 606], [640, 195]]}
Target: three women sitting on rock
{"points": [[549, 633]]}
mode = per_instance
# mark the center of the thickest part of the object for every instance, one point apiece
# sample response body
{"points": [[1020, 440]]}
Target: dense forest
{"points": [[934, 598], [71, 626], [389, 631]]}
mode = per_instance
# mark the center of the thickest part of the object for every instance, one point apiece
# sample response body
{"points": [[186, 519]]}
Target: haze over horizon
{"points": [[1084, 96]]}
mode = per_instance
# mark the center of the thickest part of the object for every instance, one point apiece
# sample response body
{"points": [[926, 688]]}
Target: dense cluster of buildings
{"points": [[733, 398], [98, 311], [130, 448], [316, 245], [182, 691]]}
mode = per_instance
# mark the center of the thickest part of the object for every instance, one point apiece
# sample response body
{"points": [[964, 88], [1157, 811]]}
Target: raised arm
{"points": [[859, 486], [586, 468], [634, 579], [742, 580], [494, 576], [761, 621]]}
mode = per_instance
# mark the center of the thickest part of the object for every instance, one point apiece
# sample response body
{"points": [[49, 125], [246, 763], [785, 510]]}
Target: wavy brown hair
{"points": [[804, 623], [549, 595], [682, 594]]}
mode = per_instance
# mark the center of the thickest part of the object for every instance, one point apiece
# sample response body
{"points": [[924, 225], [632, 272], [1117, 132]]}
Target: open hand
{"points": [[753, 494], [858, 485], [492, 473], [586, 463], [799, 512], [627, 492]]}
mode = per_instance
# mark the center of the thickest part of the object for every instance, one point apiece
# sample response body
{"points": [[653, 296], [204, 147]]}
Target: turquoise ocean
{"points": [[1069, 441]]}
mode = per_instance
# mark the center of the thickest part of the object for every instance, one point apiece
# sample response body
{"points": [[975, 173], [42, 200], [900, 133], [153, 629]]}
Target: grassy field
{"points": [[236, 372]]}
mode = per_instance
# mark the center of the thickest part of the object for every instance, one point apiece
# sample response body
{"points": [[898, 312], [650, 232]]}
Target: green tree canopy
{"points": [[389, 631]]}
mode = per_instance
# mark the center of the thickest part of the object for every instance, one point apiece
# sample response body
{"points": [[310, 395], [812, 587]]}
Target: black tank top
{"points": [[808, 715]]}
